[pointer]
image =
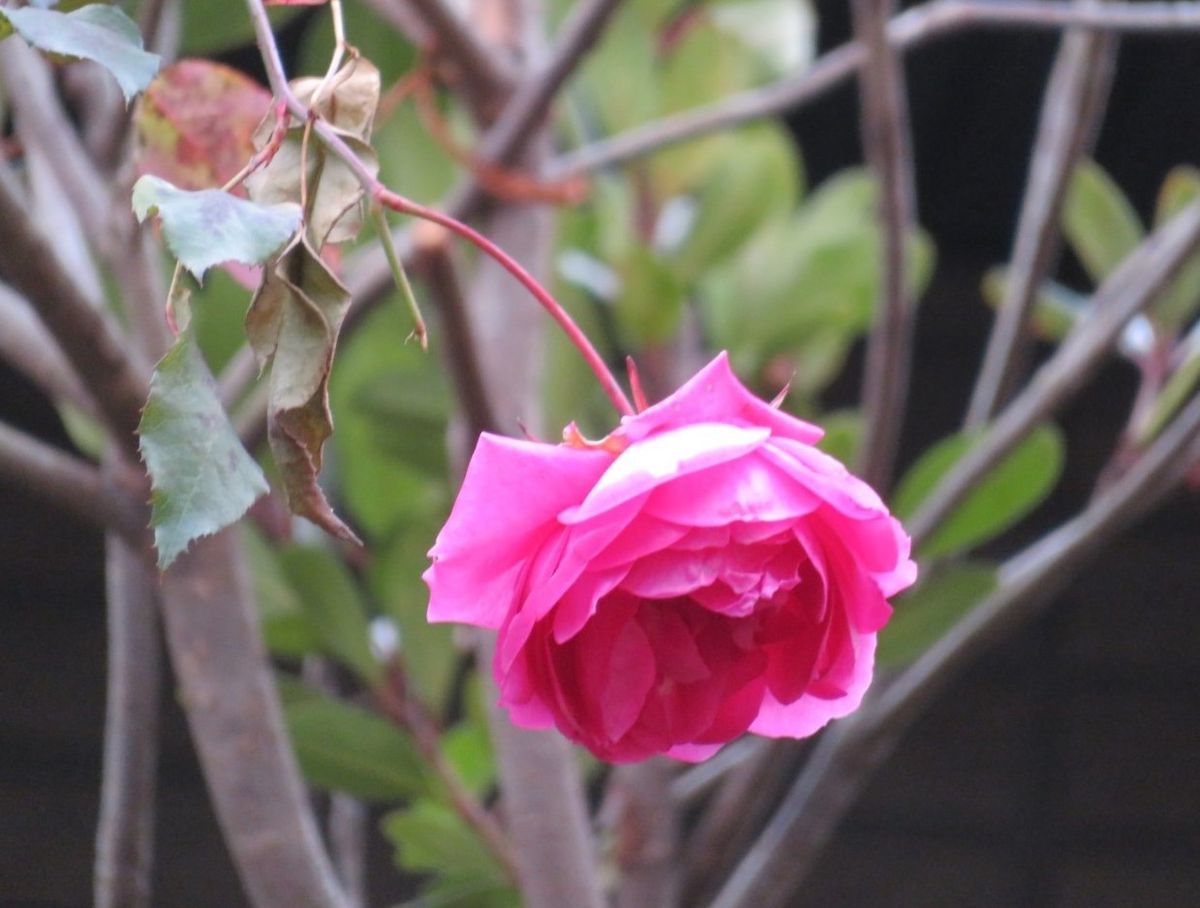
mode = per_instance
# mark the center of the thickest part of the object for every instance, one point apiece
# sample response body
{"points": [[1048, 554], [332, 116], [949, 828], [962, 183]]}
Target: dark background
{"points": [[1061, 770]]}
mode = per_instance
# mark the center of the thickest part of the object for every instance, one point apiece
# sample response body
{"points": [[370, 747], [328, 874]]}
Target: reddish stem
{"points": [[607, 380]]}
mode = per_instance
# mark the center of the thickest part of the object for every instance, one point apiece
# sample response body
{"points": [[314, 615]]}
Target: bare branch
{"points": [[1128, 290], [910, 29], [348, 819], [1074, 103], [234, 714], [485, 77], [849, 753], [89, 340], [888, 150], [125, 833], [27, 346], [70, 484]]}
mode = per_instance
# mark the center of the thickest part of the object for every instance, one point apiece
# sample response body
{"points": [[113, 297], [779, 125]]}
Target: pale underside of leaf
{"points": [[209, 226], [96, 32]]}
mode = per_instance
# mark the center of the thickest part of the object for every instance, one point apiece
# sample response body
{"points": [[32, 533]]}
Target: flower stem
{"points": [[608, 381]]}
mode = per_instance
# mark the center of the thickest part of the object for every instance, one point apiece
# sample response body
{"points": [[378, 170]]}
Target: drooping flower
{"points": [[703, 572]]}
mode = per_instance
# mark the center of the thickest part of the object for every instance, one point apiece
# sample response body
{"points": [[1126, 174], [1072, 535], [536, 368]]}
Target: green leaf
{"points": [[286, 628], [344, 748], [843, 429], [431, 838], [331, 601], [758, 178], [209, 226], [202, 478], [927, 612], [1100, 222], [1012, 489], [1179, 301], [1174, 394], [95, 32], [651, 300]]}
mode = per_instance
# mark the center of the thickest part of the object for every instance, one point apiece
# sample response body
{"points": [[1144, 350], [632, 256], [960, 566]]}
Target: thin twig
{"points": [[398, 704], [348, 819], [888, 150], [910, 29], [236, 722], [484, 76], [1075, 98], [1128, 290], [125, 832], [851, 751], [69, 483]]}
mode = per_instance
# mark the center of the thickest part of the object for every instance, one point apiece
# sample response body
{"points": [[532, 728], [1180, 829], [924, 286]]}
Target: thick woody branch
{"points": [[888, 148], [1076, 96], [86, 336], [125, 832], [1128, 290], [236, 722], [851, 751]]}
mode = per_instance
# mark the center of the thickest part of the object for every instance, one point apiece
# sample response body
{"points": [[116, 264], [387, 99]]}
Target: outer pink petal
{"points": [[749, 488], [714, 394], [647, 464], [810, 714], [507, 505], [693, 753]]}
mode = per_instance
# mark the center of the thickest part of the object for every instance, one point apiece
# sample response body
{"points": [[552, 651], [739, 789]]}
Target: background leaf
{"points": [[1006, 494], [1099, 221], [201, 476], [923, 615], [344, 748]]}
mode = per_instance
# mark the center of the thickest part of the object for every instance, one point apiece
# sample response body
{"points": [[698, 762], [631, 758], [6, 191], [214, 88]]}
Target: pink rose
{"points": [[703, 572]]}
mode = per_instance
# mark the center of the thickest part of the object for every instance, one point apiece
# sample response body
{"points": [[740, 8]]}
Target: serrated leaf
{"points": [[202, 478], [925, 614], [195, 123], [95, 32], [333, 605], [206, 227], [1013, 488], [343, 748], [334, 213], [1099, 221], [293, 324]]}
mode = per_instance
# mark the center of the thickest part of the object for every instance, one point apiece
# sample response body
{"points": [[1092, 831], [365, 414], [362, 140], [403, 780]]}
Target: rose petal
{"points": [[579, 603], [499, 520], [694, 753], [714, 394], [649, 463], [746, 489], [809, 714]]}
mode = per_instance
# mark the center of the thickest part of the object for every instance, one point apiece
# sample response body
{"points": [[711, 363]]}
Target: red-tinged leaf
{"points": [[196, 122]]}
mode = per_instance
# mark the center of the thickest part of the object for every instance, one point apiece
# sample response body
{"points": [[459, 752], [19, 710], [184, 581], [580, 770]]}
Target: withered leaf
{"points": [[348, 102], [292, 325]]}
